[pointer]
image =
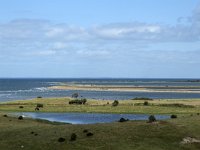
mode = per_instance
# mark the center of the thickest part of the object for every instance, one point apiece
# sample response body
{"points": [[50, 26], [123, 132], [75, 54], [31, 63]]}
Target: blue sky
{"points": [[100, 38]]}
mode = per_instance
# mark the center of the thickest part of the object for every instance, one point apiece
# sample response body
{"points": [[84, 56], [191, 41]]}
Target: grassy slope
{"points": [[125, 106], [137, 135]]}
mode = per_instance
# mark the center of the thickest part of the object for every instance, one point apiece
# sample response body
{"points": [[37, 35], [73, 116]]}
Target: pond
{"points": [[87, 118]]}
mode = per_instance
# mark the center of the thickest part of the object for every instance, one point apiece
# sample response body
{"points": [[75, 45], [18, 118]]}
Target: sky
{"points": [[100, 38]]}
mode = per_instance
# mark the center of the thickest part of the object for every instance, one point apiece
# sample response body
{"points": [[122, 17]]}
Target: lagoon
{"points": [[87, 118]]}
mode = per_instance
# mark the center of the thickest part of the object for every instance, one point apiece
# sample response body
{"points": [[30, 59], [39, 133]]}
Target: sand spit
{"points": [[127, 88]]}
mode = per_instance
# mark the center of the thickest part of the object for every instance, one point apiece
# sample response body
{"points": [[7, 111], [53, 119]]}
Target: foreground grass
{"points": [[105, 106], [138, 135]]}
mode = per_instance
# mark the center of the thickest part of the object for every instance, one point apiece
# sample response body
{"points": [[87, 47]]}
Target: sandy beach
{"points": [[176, 89]]}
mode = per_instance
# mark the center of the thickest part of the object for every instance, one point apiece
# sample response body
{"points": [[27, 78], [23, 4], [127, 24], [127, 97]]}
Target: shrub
{"points": [[61, 139], [146, 103], [115, 103], [173, 116], [39, 97], [75, 95], [21, 106], [73, 137], [152, 118], [78, 101], [37, 108], [39, 105], [5, 115], [142, 98], [20, 117], [123, 120], [89, 134], [85, 131]]}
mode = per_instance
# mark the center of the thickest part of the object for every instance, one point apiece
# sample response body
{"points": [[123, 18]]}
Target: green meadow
{"points": [[182, 133]]}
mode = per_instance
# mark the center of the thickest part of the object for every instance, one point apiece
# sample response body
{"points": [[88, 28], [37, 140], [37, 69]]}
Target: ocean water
{"points": [[20, 89]]}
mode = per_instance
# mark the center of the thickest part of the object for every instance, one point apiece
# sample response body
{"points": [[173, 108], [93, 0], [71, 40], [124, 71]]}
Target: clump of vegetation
{"points": [[152, 118], [123, 120], [78, 101], [75, 95], [5, 115], [39, 97], [20, 117], [142, 98], [177, 105], [115, 103], [61, 139], [37, 108], [173, 116], [85, 131], [146, 103], [21, 107], [73, 137], [89, 134], [39, 105]]}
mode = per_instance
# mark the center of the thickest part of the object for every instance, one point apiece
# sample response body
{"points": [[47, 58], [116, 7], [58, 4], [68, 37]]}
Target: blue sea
{"points": [[20, 89]]}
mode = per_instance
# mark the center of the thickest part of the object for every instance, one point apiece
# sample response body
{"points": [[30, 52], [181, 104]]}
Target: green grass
{"points": [[105, 106], [137, 135]]}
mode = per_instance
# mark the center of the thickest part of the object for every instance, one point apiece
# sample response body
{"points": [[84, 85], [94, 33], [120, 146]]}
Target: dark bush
{"points": [[146, 103], [173, 116], [32, 132], [5, 115], [61, 139], [177, 105], [198, 114], [78, 101], [40, 105], [75, 95], [115, 103], [89, 134], [73, 137], [21, 106], [20, 117], [123, 120], [36, 134], [152, 118], [85, 131], [37, 108], [39, 97], [142, 98]]}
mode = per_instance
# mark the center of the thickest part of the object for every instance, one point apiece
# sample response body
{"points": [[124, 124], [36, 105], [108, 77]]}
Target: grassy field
{"points": [[182, 133], [105, 106], [138, 135]]}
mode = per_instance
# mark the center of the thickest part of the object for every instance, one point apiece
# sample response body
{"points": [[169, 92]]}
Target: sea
{"points": [[29, 88]]}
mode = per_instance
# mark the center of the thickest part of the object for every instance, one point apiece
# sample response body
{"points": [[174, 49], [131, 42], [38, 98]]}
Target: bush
{"points": [[20, 117], [39, 97], [123, 120], [89, 134], [37, 108], [78, 101], [39, 105], [142, 98], [115, 103], [152, 118], [21, 106], [173, 116], [85, 131], [5, 115], [146, 103], [75, 95], [73, 137], [61, 139]]}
